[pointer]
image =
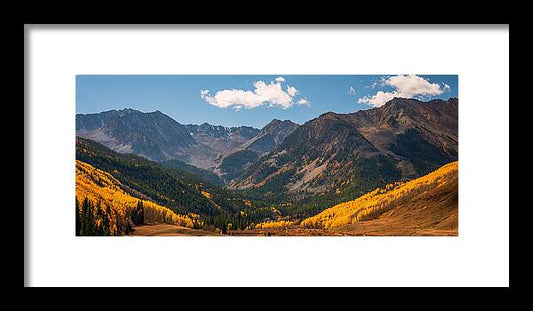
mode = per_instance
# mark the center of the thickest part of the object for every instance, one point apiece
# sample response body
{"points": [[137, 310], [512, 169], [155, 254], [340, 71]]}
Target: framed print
{"points": [[267, 156]]}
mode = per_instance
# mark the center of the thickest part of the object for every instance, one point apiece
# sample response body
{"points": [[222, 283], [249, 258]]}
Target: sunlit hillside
{"points": [[274, 224], [425, 203], [112, 205]]}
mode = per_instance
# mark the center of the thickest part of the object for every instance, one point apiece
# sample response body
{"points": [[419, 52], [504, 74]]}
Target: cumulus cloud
{"points": [[408, 86], [264, 93]]}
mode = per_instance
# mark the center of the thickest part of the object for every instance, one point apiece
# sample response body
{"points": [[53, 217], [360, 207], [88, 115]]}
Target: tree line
{"points": [[95, 219]]}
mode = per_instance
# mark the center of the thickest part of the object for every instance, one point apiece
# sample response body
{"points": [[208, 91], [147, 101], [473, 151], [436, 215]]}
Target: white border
{"points": [[478, 257]]}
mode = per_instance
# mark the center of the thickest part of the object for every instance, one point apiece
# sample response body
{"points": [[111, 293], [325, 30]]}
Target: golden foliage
{"points": [[374, 203], [98, 185], [206, 194], [274, 224]]}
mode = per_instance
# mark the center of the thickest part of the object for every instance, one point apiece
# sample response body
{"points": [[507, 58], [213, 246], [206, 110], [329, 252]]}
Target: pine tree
{"points": [[138, 214], [128, 228], [85, 228], [106, 223], [89, 219], [78, 218], [100, 230], [224, 228]]}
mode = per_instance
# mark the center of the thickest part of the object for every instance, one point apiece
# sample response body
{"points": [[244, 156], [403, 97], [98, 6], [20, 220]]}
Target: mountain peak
{"points": [[277, 122], [129, 110], [329, 114], [153, 135], [406, 101], [274, 122], [453, 100], [402, 100]]}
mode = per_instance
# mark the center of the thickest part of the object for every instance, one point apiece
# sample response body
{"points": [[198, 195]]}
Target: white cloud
{"points": [[291, 91], [303, 101], [271, 94], [408, 86], [351, 91]]}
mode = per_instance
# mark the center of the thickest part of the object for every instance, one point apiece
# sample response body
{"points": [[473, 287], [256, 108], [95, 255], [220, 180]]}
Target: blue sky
{"points": [[253, 100]]}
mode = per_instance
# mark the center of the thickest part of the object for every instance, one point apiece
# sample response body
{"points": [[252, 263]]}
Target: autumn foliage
{"points": [[379, 201], [110, 204], [274, 224]]}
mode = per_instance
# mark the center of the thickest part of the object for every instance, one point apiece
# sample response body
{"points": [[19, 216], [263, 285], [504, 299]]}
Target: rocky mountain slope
{"points": [[153, 135], [220, 138], [235, 161], [270, 136], [357, 152], [226, 151], [341, 153]]}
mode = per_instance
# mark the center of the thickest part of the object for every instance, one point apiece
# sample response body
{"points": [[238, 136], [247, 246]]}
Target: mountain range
{"points": [[357, 152], [227, 151], [343, 154]]}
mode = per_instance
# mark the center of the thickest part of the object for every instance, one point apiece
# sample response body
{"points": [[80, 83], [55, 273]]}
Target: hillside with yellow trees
{"points": [[118, 194], [377, 171], [104, 208], [424, 206]]}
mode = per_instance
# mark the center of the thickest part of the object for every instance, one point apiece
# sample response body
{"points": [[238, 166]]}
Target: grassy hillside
{"points": [[113, 206], [426, 203]]}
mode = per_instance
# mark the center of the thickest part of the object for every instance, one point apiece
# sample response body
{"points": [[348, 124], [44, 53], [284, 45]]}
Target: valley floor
{"points": [[377, 227], [367, 228], [290, 231], [169, 230]]}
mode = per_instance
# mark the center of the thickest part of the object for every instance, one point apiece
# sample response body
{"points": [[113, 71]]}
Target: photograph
{"points": [[266, 155], [169, 157]]}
